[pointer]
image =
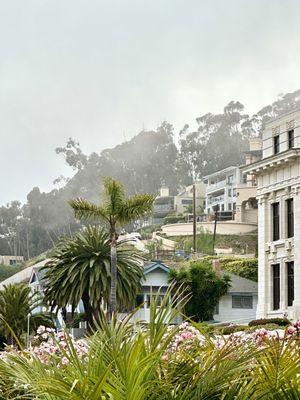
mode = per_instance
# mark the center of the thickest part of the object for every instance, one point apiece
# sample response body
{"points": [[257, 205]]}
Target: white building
{"points": [[278, 194], [184, 199], [221, 190], [240, 303], [11, 260]]}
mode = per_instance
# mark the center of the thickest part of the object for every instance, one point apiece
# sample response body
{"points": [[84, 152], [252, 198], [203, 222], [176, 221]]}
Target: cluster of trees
{"points": [[143, 163], [204, 286]]}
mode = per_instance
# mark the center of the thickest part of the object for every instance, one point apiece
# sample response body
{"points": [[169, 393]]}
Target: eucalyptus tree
{"points": [[117, 210], [79, 269]]}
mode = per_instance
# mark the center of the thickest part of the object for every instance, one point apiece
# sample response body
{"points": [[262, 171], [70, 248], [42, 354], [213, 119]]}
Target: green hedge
{"points": [[8, 270], [173, 219], [266, 321], [244, 267]]}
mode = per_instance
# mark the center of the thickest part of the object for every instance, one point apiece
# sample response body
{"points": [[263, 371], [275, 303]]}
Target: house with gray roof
{"points": [[240, 303]]}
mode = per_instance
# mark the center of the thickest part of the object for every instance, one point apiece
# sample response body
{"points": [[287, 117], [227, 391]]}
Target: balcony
{"points": [[163, 208], [216, 186], [215, 200]]}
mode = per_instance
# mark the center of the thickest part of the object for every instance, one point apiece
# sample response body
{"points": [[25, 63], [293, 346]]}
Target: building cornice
{"points": [[273, 162]]}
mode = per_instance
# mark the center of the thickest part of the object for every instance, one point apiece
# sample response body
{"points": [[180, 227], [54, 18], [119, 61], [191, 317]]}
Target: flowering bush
{"points": [[161, 361]]}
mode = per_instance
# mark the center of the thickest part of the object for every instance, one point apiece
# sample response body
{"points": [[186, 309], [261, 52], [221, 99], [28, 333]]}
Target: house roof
{"points": [[22, 276], [221, 171], [152, 265], [241, 285]]}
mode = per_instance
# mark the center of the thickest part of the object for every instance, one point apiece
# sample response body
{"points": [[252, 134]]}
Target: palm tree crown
{"points": [[17, 302], [116, 210], [80, 270]]}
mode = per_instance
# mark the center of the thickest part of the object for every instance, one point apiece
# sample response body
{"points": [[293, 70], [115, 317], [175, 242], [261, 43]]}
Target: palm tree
{"points": [[17, 304], [80, 270], [116, 210]]}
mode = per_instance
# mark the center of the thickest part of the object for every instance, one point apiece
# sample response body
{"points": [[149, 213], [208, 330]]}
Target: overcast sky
{"points": [[100, 71]]}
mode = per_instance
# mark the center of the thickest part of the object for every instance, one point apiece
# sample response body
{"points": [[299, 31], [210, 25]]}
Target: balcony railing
{"points": [[217, 185], [215, 200]]}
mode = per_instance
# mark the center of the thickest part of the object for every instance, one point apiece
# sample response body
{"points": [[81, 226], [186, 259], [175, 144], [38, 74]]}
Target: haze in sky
{"points": [[100, 71]]}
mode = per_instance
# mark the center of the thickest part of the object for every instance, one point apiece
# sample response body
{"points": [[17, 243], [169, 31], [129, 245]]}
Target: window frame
{"points": [[290, 277], [243, 303], [291, 139], [276, 144], [290, 221], [275, 221], [276, 286]]}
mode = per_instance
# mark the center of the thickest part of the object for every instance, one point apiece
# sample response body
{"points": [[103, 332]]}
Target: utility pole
{"points": [[215, 228], [194, 222]]}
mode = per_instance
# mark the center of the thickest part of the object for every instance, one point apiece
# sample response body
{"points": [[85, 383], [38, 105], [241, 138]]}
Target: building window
{"points": [[239, 301], [291, 138], [216, 310], [139, 300], [290, 282], [186, 202], [229, 206], [275, 219], [154, 297], [276, 144], [290, 217], [222, 207], [234, 192], [230, 179], [234, 206], [229, 192], [12, 262], [276, 286]]}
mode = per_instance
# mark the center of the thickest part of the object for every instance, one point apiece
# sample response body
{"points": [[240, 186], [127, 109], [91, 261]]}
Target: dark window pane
{"points": [[291, 138], [239, 301], [276, 144], [139, 300], [275, 217], [276, 287], [290, 282], [290, 217]]}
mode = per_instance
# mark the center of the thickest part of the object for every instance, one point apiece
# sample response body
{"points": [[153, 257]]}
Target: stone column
{"points": [[296, 304], [263, 270]]}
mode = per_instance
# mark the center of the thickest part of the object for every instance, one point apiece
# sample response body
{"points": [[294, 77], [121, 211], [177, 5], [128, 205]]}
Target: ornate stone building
{"points": [[278, 194]]}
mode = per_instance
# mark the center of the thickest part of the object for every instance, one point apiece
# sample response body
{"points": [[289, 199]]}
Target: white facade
{"points": [[278, 194], [221, 189], [185, 198], [11, 260]]}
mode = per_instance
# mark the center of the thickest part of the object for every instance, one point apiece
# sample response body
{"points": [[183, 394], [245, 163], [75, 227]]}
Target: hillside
{"points": [[143, 163]]}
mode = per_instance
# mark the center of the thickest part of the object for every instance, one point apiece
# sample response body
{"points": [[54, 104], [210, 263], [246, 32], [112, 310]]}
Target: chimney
{"points": [[216, 266], [164, 191], [255, 144]]}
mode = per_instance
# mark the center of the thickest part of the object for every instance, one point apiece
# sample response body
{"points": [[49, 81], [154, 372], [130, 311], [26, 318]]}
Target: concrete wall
{"points": [[235, 315], [223, 228]]}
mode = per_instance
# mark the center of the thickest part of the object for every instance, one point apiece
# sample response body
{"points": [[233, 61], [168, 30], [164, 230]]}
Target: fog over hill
{"points": [[143, 163]]}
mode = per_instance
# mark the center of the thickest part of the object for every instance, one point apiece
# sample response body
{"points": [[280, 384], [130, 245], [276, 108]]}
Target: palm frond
{"points": [[84, 209]]}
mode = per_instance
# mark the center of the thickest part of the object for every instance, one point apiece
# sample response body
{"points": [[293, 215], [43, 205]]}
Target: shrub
{"points": [[266, 321], [173, 219], [243, 267], [205, 287]]}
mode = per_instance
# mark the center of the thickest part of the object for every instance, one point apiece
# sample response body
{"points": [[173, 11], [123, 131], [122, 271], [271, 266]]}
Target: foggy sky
{"points": [[100, 71]]}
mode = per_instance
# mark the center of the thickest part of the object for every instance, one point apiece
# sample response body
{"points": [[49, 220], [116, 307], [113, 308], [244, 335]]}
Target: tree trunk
{"points": [[88, 311], [113, 273]]}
